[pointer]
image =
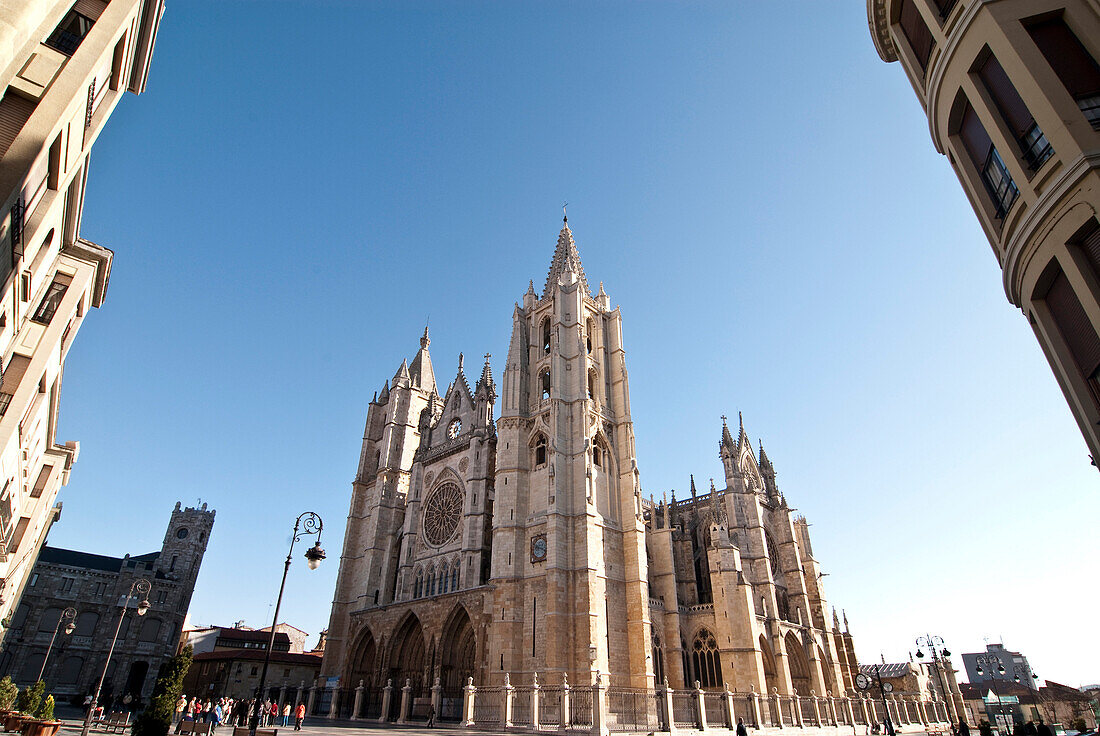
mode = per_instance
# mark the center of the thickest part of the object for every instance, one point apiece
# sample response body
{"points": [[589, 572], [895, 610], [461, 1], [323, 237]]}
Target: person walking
{"points": [[299, 716], [431, 715], [181, 706], [286, 714], [741, 727]]}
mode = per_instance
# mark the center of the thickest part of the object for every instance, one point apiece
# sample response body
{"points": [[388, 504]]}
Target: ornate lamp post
{"points": [[936, 647], [306, 523], [140, 587], [67, 615]]}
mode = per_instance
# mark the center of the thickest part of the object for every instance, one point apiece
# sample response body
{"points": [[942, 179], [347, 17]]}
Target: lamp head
{"points": [[920, 654], [979, 670], [314, 555], [946, 653], [70, 628], [1000, 669], [143, 607], [1016, 678]]}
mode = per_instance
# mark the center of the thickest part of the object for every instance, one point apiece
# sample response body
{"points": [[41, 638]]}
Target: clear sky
{"points": [[305, 183]]}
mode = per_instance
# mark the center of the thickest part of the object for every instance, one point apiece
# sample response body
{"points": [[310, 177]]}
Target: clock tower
{"points": [[568, 540]]}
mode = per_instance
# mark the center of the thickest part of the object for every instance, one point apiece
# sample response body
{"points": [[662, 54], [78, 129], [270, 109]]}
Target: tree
{"points": [[8, 693], [157, 718], [28, 700]]}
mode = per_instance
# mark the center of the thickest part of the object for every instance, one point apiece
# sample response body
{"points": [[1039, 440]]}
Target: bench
{"points": [[115, 722], [238, 731], [193, 728]]}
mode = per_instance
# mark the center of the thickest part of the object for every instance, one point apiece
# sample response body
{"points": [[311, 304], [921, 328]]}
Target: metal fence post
{"points": [[599, 706]]}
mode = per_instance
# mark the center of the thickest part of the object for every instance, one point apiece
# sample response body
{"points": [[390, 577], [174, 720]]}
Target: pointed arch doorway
{"points": [[458, 649], [406, 662]]}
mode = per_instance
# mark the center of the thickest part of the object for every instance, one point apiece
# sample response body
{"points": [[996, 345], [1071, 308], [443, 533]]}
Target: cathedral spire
{"points": [[421, 372], [566, 258], [727, 439], [402, 375], [485, 387]]}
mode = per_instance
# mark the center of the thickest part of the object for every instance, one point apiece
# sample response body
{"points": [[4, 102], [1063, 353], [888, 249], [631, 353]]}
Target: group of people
{"points": [[237, 712]]}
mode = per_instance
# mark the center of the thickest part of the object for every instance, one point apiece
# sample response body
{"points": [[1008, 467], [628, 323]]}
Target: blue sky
{"points": [[304, 184]]}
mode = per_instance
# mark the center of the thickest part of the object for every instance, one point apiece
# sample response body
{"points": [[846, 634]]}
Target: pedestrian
{"points": [[964, 730], [431, 715], [1044, 729], [741, 727], [299, 716], [286, 714], [274, 713], [181, 706], [1029, 729]]}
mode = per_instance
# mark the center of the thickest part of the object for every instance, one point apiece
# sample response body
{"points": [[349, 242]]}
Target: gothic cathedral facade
{"points": [[522, 545]]}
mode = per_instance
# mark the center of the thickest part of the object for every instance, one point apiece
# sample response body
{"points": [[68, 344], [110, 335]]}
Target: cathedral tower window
{"points": [[443, 578], [540, 451], [588, 328], [418, 590], [454, 575], [546, 336], [658, 659], [544, 383], [705, 662], [592, 383]]}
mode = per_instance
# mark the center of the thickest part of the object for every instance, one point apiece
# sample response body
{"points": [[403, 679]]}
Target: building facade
{"points": [[995, 656], [522, 547], [1011, 89], [96, 586], [65, 67]]}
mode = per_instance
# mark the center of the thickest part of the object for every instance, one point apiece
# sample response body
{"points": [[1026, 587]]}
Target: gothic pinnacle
{"points": [[425, 341]]}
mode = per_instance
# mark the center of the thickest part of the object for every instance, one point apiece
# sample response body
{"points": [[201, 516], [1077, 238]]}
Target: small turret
{"points": [[420, 372], [485, 394], [401, 378]]}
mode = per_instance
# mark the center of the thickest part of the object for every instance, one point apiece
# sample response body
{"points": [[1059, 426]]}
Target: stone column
{"points": [[469, 693], [817, 708], [282, 697], [387, 697], [731, 717], [312, 699], [796, 703], [406, 693], [777, 710], [333, 702], [358, 703], [563, 722], [700, 708], [755, 703], [666, 706], [535, 702], [599, 707], [508, 694], [437, 698], [298, 693]]}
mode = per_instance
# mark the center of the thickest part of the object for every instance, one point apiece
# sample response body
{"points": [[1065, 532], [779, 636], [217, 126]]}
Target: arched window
{"points": [[454, 575], [773, 557], [588, 328], [418, 590], [150, 630], [658, 660], [70, 670], [48, 620], [540, 451], [544, 383], [546, 336], [444, 578], [705, 660], [592, 382], [431, 582], [597, 454], [86, 623]]}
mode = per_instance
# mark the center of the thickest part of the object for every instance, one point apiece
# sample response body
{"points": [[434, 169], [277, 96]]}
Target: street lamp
{"points": [[141, 588], [990, 660], [936, 646], [308, 523], [67, 615]]}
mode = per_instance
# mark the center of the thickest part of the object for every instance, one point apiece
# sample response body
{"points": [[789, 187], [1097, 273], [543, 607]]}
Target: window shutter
{"points": [[1074, 325], [974, 137], [1069, 59], [14, 111], [916, 32], [1008, 100], [1090, 245]]}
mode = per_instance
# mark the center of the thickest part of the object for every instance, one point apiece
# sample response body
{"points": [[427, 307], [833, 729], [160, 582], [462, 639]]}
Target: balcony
{"points": [[999, 184], [1090, 105], [1036, 148]]}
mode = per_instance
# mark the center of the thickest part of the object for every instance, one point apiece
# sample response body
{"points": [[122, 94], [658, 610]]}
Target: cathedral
{"points": [[521, 546]]}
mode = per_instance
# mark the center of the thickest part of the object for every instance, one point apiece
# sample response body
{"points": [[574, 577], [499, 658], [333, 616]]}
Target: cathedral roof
{"points": [[421, 371], [566, 258]]}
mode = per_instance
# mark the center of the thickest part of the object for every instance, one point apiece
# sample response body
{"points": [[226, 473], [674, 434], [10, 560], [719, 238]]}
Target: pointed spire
{"points": [[844, 613], [836, 621], [461, 377], [531, 286], [402, 375], [485, 386], [421, 372], [385, 395], [602, 292], [727, 440], [693, 485], [566, 258]]}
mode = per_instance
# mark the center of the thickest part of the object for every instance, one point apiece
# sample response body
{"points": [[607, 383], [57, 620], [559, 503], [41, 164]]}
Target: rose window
{"points": [[442, 513]]}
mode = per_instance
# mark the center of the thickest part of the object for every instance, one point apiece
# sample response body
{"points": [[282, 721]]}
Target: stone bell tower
{"points": [[568, 553]]}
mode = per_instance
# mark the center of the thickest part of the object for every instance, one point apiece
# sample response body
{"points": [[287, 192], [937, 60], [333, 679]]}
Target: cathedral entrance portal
{"points": [[407, 663], [769, 664], [458, 649], [800, 668], [364, 668]]}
